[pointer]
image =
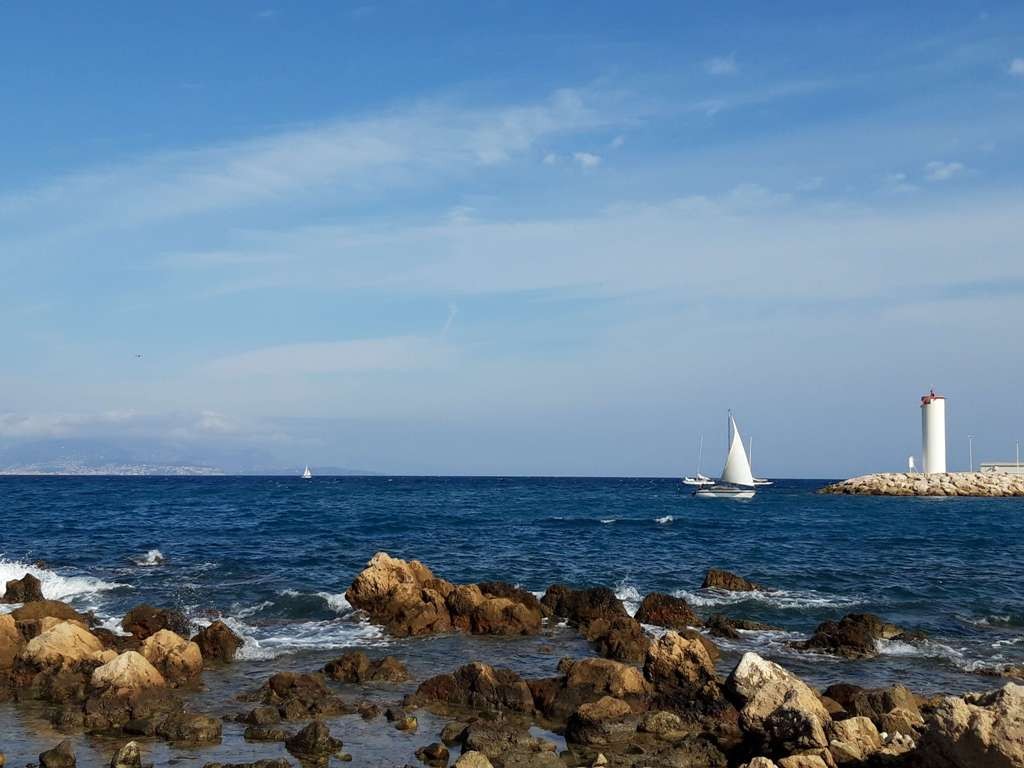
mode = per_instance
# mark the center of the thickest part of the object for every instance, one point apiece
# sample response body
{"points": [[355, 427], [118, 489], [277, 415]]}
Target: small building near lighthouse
{"points": [[933, 433]]}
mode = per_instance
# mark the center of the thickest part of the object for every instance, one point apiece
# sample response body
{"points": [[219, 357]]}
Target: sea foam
{"points": [[55, 586]]}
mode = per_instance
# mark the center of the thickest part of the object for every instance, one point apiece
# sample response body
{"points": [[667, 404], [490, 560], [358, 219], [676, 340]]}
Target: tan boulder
{"points": [[977, 731], [473, 759], [614, 678], [680, 666], [129, 672], [62, 645], [803, 761], [854, 740], [11, 641], [176, 658]]}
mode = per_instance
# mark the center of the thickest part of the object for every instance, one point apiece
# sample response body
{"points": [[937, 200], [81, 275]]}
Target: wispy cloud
{"points": [[586, 159], [1016, 67], [721, 65], [940, 170]]}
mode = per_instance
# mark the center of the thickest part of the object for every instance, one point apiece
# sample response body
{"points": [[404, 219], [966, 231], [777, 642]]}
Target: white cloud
{"points": [[617, 142], [1017, 67], [551, 159], [34, 425], [721, 65], [586, 159], [938, 170], [898, 182]]}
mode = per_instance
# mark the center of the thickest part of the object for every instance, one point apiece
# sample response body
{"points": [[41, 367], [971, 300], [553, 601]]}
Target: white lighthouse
{"points": [[933, 433]]}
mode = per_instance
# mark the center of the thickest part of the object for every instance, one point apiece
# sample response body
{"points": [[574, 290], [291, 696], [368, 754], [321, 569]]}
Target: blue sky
{"points": [[512, 237]]}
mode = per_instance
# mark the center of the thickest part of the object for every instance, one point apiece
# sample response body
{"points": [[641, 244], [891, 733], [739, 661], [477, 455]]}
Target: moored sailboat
{"points": [[737, 481], [699, 479], [306, 474]]}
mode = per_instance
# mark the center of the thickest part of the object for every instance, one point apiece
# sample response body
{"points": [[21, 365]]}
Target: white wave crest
{"points": [[269, 642], [776, 598], [664, 520], [151, 558], [932, 649], [55, 586], [337, 603], [609, 520], [629, 595]]}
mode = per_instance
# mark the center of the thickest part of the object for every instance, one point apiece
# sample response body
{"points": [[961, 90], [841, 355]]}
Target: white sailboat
{"points": [[699, 479], [737, 481], [758, 481], [306, 474]]}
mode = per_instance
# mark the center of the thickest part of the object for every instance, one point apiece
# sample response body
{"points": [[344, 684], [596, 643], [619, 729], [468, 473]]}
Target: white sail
{"points": [[306, 474], [737, 467]]}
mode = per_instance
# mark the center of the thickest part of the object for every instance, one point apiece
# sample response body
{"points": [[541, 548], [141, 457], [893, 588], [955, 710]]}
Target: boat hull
{"points": [[724, 492]]}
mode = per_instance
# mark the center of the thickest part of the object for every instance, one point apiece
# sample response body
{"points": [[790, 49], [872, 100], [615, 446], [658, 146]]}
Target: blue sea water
{"points": [[274, 555]]}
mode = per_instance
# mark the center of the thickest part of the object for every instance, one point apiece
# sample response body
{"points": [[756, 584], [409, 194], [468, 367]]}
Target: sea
{"points": [[273, 556]]}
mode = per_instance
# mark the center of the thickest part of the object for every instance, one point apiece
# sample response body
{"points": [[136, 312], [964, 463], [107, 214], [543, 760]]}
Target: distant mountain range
{"points": [[88, 456]]}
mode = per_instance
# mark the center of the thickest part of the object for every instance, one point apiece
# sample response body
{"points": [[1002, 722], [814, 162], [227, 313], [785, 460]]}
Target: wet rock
{"points": [[453, 733], [129, 672], [510, 745], [145, 620], [393, 714], [356, 667], [667, 611], [503, 589], [61, 756], [278, 763], [660, 723], [265, 715], [855, 636], [681, 670], [581, 606], [190, 728], [314, 743], [723, 626], [587, 680], [217, 642], [64, 644], [620, 638], [853, 740], [265, 733], [128, 756], [298, 696], [693, 751], [176, 658], [976, 731], [473, 611], [709, 645], [368, 710], [407, 723], [777, 709], [433, 754], [27, 589], [30, 618], [473, 759], [717, 578], [136, 712], [601, 723], [475, 686]]}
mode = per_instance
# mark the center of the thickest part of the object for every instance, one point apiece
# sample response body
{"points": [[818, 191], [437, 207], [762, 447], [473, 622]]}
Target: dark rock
{"points": [[393, 714], [407, 723], [723, 626], [61, 756], [855, 636], [587, 680], [667, 611], [128, 756], [660, 723], [298, 696], [27, 589], [620, 638], [433, 754], [719, 579], [265, 733], [145, 620], [217, 642], [453, 733], [278, 763], [314, 743], [357, 667], [29, 617], [368, 710], [581, 606], [475, 686], [510, 745], [266, 715], [502, 589], [681, 671], [190, 728]]}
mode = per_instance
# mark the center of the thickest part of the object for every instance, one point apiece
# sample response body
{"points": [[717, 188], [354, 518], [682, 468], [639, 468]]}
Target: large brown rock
{"points": [[509, 745], [667, 611], [128, 756], [854, 740], [777, 709], [587, 680], [314, 743], [601, 723], [475, 686], [190, 728], [36, 617], [357, 667], [11, 641], [621, 638], [61, 756], [298, 697], [855, 636], [24, 590], [976, 731], [128, 673], [145, 620], [64, 644], [716, 578], [581, 606], [176, 658], [681, 670], [218, 642]]}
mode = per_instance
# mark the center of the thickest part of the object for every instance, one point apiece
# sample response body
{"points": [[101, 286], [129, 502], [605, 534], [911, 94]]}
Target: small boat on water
{"points": [[699, 479], [737, 481], [306, 474]]}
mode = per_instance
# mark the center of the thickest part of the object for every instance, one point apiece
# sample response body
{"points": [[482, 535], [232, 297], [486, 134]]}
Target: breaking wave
{"points": [[664, 520], [151, 558], [776, 598], [629, 595], [56, 586]]}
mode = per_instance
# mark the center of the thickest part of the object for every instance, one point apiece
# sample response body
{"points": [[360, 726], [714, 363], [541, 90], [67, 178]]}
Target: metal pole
{"points": [[970, 442]]}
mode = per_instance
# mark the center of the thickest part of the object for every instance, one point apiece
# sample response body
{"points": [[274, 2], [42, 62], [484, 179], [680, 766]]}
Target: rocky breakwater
{"points": [[990, 484]]}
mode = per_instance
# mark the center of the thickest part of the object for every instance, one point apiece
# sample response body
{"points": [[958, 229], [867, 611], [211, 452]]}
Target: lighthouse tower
{"points": [[933, 433]]}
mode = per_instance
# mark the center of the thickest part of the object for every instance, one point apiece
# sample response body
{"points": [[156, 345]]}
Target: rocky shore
{"points": [[942, 484], [650, 695]]}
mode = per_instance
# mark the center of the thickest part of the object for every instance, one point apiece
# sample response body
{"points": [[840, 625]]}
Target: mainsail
{"points": [[737, 467]]}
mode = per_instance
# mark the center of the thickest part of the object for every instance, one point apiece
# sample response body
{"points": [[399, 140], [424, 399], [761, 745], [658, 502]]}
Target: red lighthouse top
{"points": [[925, 399]]}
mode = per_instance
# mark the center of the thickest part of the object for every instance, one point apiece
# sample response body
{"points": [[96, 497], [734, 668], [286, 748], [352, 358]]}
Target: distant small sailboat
{"points": [[699, 479], [758, 481], [737, 481], [306, 474]]}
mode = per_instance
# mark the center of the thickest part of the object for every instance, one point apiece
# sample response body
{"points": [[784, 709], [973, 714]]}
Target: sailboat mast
{"points": [[750, 452], [700, 452]]}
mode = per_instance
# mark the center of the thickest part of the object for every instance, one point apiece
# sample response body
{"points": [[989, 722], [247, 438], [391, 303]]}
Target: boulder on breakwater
{"points": [[939, 484]]}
